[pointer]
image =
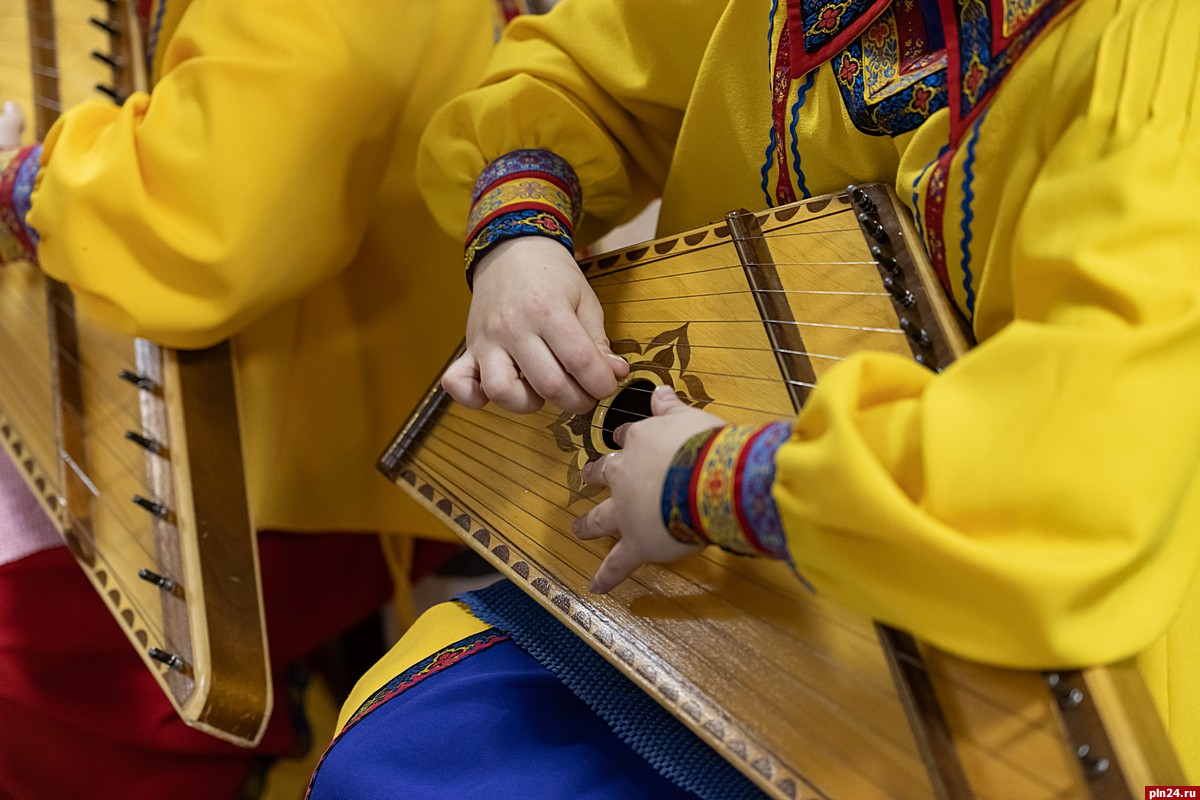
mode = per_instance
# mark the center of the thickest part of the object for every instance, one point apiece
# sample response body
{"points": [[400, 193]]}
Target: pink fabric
{"points": [[24, 527]]}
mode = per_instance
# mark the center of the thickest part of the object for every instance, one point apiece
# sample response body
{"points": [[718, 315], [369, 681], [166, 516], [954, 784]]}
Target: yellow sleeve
{"points": [[243, 180], [603, 85], [1038, 503]]}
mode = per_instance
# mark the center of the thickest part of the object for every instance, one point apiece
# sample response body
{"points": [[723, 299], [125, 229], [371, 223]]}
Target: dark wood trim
{"points": [[773, 306]]}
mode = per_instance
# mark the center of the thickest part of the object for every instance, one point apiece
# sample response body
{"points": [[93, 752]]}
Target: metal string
{"points": [[455, 459], [599, 281], [123, 514]]}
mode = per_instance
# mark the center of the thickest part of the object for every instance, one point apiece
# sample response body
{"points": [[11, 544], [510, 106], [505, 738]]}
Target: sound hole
{"points": [[631, 404]]}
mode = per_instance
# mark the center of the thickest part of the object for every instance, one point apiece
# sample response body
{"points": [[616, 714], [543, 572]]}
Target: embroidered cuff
{"points": [[718, 490], [523, 193], [18, 172]]}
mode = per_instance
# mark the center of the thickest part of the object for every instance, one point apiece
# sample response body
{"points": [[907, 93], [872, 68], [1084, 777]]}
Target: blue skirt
{"points": [[523, 709]]}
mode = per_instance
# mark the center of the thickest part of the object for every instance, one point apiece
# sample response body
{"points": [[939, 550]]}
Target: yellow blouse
{"points": [[1037, 504]]}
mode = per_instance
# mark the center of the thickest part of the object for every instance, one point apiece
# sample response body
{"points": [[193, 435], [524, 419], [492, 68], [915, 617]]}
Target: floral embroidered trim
{"points": [[992, 36], [676, 496], [718, 490], [529, 222], [781, 85], [522, 193], [439, 661], [753, 501], [820, 28], [150, 21], [444, 658], [18, 173], [887, 89]]}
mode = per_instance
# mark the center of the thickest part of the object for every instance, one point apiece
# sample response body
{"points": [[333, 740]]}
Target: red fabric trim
{"points": [[694, 487], [530, 173], [530, 206], [781, 84], [951, 34], [910, 27], [509, 10], [804, 62], [143, 12], [935, 213], [739, 511], [8, 211], [443, 659]]}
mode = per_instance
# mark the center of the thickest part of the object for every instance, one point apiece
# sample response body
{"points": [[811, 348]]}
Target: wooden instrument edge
{"points": [[679, 696], [234, 698]]}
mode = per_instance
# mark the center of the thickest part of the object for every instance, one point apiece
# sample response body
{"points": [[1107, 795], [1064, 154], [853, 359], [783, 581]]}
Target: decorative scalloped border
{"points": [[599, 265], [44, 489], [35, 477], [681, 698]]}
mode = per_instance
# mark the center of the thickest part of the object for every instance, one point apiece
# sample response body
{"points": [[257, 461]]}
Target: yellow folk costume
{"points": [[1037, 504]]}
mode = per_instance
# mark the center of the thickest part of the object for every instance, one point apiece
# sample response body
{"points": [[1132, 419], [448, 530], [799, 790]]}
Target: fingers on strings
{"points": [[599, 522], [619, 564], [573, 379]]}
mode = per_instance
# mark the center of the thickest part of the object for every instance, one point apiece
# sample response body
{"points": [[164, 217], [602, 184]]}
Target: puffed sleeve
{"points": [[1038, 503], [602, 86], [244, 179]]}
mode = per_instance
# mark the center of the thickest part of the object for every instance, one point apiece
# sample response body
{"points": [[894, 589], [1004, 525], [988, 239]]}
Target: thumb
{"points": [[591, 317], [664, 400], [461, 381]]}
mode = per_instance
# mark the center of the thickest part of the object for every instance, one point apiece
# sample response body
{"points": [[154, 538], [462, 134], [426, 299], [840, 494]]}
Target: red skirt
{"points": [[81, 716]]}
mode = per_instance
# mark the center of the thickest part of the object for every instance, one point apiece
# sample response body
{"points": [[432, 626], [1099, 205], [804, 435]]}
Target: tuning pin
{"points": [[140, 381], [111, 93], [156, 509], [1068, 696], [916, 334], [1094, 765], [861, 198], [153, 445], [885, 258], [870, 224], [170, 659], [107, 58], [105, 25], [161, 581], [903, 296]]}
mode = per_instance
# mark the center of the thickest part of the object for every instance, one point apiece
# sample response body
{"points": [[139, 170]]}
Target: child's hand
{"points": [[535, 332], [12, 125], [635, 475]]}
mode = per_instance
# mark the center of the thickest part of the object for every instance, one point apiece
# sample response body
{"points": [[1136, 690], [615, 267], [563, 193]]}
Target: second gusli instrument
{"points": [[133, 449], [804, 697]]}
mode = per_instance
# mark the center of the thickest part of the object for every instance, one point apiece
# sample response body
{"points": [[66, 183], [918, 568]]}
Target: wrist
{"points": [[522, 250], [18, 174], [718, 490]]}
